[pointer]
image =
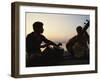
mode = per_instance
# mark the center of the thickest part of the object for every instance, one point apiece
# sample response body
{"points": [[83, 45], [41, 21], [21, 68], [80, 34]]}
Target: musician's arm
{"points": [[47, 42]]}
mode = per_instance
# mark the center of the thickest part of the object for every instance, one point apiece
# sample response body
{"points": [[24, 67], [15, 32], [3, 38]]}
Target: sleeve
{"points": [[44, 39]]}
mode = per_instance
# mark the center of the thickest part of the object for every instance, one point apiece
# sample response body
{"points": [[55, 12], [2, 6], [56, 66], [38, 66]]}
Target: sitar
{"points": [[77, 45]]}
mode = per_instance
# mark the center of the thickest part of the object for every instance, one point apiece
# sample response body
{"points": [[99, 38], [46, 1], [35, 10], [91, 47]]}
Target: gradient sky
{"points": [[57, 27]]}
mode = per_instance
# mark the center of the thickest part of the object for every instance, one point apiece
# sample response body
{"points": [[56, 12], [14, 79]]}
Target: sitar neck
{"points": [[86, 25]]}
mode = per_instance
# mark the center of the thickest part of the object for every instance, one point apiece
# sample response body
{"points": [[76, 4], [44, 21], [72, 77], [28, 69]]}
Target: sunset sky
{"points": [[57, 27]]}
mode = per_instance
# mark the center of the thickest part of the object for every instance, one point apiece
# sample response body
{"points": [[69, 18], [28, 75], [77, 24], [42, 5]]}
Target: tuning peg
{"points": [[84, 23], [87, 20]]}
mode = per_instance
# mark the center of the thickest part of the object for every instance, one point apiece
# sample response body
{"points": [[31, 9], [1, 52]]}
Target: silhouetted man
{"points": [[78, 45], [34, 40]]}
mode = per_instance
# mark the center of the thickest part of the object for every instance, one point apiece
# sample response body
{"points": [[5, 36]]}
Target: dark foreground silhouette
{"points": [[53, 53], [34, 42], [53, 56]]}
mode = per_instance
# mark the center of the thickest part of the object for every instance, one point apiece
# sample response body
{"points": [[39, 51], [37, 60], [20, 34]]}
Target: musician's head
{"points": [[79, 29], [38, 27]]}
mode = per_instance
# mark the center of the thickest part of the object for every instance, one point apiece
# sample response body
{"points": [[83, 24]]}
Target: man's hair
{"points": [[37, 25], [79, 28]]}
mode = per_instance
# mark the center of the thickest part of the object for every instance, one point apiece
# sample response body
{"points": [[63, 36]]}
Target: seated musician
{"points": [[78, 45], [34, 40]]}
